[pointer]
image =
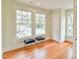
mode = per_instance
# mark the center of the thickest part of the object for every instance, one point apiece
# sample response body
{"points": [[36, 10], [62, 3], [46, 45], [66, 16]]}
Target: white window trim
{"points": [[33, 20], [45, 23]]}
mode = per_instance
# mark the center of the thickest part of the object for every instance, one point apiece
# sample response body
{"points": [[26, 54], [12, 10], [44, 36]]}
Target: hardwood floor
{"points": [[45, 50]]}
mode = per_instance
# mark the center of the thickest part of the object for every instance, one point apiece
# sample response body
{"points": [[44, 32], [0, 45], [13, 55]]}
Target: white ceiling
{"points": [[50, 4]]}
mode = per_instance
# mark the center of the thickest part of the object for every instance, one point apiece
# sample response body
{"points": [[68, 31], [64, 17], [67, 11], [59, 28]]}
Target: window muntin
{"points": [[40, 24], [23, 24]]}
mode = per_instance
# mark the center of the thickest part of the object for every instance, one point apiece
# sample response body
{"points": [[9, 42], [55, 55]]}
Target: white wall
{"points": [[63, 24], [58, 25]]}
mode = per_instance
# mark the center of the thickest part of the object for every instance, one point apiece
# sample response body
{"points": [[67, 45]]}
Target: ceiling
{"points": [[50, 4]]}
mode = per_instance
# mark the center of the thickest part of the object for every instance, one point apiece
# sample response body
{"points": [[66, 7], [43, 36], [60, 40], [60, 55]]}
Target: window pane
{"points": [[40, 24], [69, 24], [18, 14], [23, 24]]}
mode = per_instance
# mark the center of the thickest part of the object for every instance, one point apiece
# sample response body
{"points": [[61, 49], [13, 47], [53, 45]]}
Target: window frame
{"points": [[45, 23], [33, 12], [69, 10], [31, 24], [14, 21]]}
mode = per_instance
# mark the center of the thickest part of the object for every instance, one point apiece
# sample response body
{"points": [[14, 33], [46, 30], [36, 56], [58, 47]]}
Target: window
{"points": [[24, 27], [69, 24], [40, 24], [23, 24]]}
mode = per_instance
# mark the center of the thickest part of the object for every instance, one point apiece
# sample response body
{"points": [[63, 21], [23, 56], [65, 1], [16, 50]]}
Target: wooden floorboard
{"points": [[45, 50]]}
